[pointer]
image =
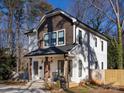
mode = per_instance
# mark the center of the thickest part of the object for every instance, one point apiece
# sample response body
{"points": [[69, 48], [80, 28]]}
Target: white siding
{"points": [[80, 52], [99, 55]]}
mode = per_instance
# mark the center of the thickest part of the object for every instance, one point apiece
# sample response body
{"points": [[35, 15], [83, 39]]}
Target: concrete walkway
{"points": [[30, 87]]}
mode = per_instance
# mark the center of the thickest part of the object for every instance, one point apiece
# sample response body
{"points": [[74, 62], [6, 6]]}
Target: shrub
{"points": [[7, 65]]}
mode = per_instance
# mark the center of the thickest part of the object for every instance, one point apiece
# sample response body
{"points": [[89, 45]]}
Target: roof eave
{"points": [[92, 31]]}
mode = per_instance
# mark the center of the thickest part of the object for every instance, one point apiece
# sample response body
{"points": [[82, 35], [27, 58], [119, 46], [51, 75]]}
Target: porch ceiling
{"points": [[51, 50]]}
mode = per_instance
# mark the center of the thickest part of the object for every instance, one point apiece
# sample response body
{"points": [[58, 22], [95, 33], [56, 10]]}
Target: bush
{"points": [[7, 65]]}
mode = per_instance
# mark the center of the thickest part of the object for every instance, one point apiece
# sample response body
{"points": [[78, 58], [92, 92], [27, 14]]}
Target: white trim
{"points": [[54, 13], [73, 19], [74, 35], [64, 37], [56, 38], [32, 70]]}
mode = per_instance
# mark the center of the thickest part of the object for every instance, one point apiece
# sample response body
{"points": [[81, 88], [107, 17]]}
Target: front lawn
{"points": [[73, 90], [78, 90]]}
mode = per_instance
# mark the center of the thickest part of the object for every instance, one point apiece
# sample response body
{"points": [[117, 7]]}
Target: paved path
{"points": [[31, 87]]}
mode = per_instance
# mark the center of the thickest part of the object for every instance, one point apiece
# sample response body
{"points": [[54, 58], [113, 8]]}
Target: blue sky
{"points": [[63, 4]]}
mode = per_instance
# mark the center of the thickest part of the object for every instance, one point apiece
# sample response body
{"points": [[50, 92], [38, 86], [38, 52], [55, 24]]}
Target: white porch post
{"points": [[66, 71], [32, 70]]}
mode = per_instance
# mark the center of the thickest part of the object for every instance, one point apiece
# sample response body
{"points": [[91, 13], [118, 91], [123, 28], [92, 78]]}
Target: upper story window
{"points": [[61, 37], [102, 65], [80, 37], [102, 45], [54, 38], [46, 40], [95, 42]]}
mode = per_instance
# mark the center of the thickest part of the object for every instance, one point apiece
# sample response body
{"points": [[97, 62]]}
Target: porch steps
{"points": [[73, 84]]}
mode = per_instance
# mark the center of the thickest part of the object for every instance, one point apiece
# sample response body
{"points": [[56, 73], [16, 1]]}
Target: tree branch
{"points": [[113, 7], [103, 12]]}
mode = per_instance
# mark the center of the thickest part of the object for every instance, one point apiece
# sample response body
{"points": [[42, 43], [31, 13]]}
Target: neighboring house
{"points": [[62, 38]]}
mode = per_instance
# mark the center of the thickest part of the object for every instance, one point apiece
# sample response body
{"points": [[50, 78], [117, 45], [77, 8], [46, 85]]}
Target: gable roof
{"points": [[74, 20]]}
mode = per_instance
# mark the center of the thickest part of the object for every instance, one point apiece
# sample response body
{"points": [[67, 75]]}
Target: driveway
{"points": [[31, 87]]}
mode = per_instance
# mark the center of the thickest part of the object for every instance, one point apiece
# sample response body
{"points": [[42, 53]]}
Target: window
{"points": [[95, 42], [102, 65], [54, 38], [60, 37], [60, 67], [46, 40], [96, 65], [80, 68], [70, 68], [102, 45], [80, 37]]}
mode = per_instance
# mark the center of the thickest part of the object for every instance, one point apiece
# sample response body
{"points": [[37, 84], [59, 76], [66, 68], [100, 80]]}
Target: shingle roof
{"points": [[52, 50]]}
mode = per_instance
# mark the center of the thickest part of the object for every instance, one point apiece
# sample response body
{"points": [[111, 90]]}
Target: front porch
{"points": [[50, 67], [50, 63]]}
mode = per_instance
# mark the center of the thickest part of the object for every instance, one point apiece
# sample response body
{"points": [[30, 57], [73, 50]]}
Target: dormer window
{"points": [[46, 40], [54, 39], [61, 37]]}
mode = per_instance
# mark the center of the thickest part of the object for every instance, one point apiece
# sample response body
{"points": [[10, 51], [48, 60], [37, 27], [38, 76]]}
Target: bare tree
{"points": [[103, 15], [116, 17]]}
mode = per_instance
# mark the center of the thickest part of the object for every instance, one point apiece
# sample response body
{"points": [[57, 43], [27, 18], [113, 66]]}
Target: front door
{"points": [[41, 70], [35, 70]]}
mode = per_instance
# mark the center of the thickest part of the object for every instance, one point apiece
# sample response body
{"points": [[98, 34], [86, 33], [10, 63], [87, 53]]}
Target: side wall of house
{"points": [[80, 53], [96, 53], [80, 58]]}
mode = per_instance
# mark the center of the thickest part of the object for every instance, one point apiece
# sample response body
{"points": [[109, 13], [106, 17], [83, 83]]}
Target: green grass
{"points": [[78, 90]]}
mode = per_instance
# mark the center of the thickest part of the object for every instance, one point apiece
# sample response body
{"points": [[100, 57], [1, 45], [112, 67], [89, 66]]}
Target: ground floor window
{"points": [[102, 65], [70, 68], [61, 67], [80, 68]]}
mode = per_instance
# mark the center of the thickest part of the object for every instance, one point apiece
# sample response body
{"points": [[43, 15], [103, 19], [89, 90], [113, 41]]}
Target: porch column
{"points": [[30, 69], [66, 71], [46, 69]]}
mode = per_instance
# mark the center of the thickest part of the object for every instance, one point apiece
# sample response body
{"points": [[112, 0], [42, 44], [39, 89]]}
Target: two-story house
{"points": [[61, 38]]}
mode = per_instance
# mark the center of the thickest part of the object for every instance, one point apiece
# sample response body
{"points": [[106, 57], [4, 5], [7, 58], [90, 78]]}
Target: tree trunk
{"points": [[120, 47], [17, 46], [10, 32]]}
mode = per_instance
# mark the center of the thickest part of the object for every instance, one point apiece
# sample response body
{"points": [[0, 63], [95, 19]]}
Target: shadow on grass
{"points": [[69, 91], [77, 90]]}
